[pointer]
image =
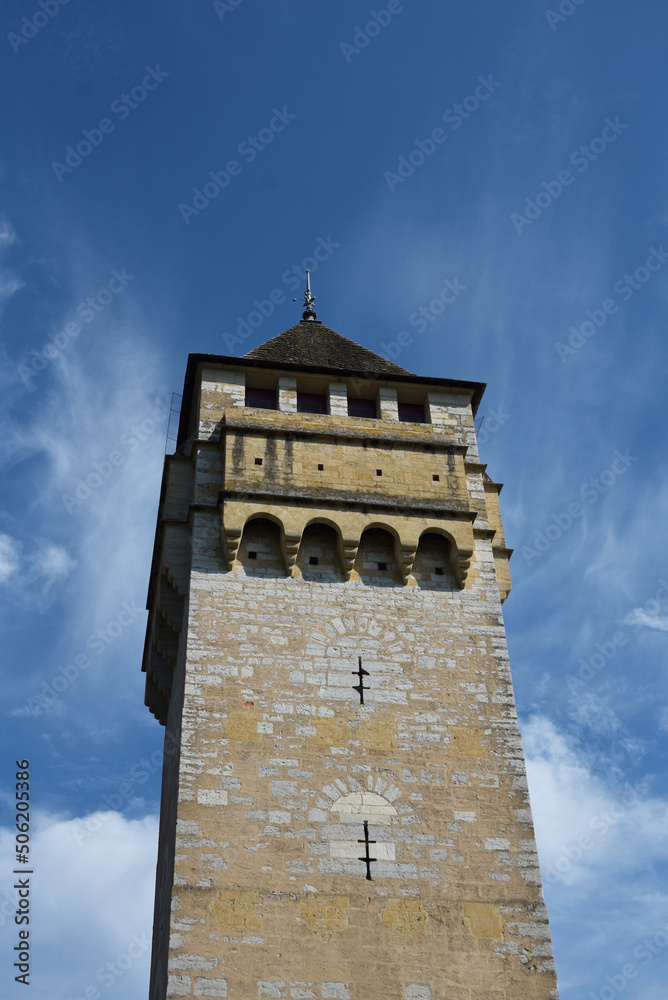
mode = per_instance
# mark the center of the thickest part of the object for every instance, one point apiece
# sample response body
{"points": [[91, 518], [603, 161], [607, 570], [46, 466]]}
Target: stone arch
{"points": [[359, 806], [266, 515], [340, 642], [376, 561], [360, 824], [433, 567], [331, 522], [379, 524], [318, 557]]}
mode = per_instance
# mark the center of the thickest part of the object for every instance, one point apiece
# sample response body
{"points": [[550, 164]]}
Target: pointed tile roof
{"points": [[313, 345]]}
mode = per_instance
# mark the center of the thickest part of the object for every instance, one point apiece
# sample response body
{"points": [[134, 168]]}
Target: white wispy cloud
{"points": [[603, 846], [94, 904], [85, 443], [10, 282], [646, 620], [626, 824], [28, 577], [9, 557]]}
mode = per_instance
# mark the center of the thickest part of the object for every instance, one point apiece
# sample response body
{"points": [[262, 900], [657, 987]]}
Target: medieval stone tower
{"points": [[344, 803]]}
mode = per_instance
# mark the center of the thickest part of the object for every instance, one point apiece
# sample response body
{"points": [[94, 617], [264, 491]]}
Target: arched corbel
{"points": [[461, 559], [348, 546], [405, 556], [290, 540], [231, 538]]}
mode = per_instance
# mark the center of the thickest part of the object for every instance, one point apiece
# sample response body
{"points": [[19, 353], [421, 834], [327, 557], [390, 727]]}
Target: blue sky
{"points": [[516, 151]]}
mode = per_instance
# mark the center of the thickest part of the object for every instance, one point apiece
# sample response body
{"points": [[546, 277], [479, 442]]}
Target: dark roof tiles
{"points": [[313, 345]]}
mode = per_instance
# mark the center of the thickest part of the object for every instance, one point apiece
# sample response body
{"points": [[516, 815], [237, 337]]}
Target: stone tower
{"points": [[345, 812]]}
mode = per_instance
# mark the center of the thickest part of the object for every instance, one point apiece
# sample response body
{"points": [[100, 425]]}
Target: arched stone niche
{"points": [[433, 564], [348, 529], [260, 552], [318, 556], [376, 563]]}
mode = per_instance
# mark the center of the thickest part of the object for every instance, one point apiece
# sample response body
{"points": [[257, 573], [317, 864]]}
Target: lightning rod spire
{"points": [[309, 313]]}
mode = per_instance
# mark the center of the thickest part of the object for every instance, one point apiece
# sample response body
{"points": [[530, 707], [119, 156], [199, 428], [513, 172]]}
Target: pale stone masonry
{"points": [[345, 810]]}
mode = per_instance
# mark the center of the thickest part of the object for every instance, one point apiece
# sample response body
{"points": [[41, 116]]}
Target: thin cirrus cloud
{"points": [[29, 576]]}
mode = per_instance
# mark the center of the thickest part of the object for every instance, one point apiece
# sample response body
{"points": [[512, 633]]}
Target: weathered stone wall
{"points": [[284, 775]]}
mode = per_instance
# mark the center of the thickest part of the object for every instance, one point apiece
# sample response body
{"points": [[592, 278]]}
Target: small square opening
{"points": [[321, 467], [382, 566], [379, 472], [436, 479], [313, 560], [258, 461], [252, 555], [438, 570]]}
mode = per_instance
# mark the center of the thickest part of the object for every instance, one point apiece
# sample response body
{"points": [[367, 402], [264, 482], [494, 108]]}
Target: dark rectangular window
{"points": [[411, 413], [362, 408], [265, 399], [311, 402]]}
